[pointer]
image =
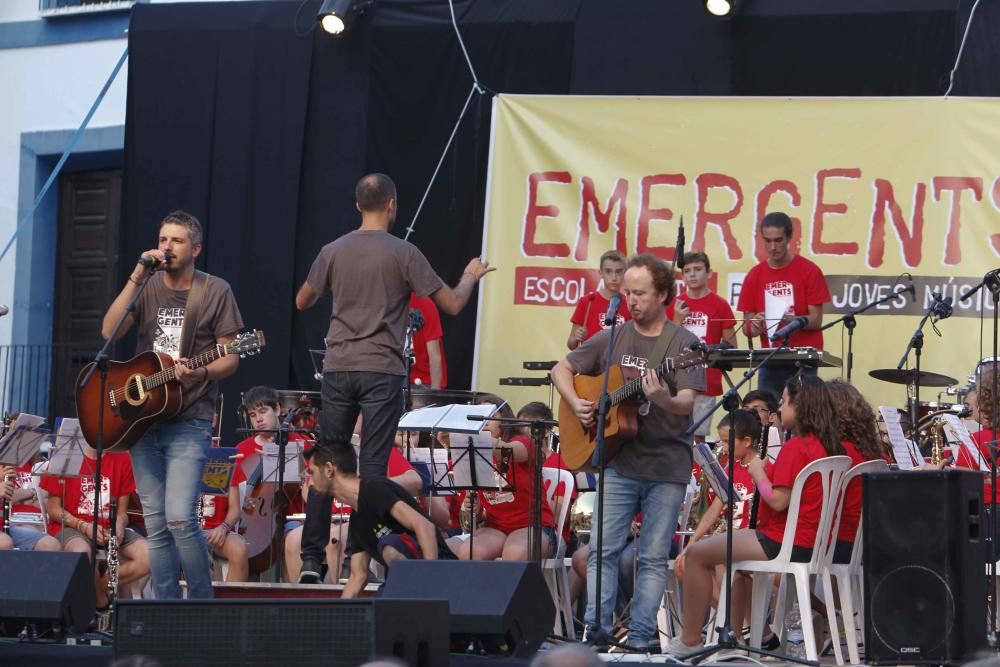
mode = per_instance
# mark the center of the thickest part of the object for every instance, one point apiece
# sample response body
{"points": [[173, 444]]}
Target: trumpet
{"points": [[465, 518]]}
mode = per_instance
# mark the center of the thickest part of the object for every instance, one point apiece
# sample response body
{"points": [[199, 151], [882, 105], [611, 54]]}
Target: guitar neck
{"points": [[197, 361], [633, 388]]}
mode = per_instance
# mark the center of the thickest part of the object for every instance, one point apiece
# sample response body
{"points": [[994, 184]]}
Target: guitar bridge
{"points": [[115, 408]]}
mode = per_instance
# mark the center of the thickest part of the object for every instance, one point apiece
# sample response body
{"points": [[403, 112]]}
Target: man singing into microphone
{"points": [[791, 280], [168, 460]]}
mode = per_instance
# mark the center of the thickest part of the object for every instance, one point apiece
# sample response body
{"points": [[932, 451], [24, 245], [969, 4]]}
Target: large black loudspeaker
{"points": [[924, 567], [47, 587], [341, 633], [500, 606]]}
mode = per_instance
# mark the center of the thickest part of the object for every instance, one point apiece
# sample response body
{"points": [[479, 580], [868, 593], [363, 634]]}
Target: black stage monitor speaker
{"points": [[498, 606], [46, 586], [341, 633], [924, 567]]}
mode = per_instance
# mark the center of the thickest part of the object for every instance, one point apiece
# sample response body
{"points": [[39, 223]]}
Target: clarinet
{"points": [[113, 552], [755, 503], [6, 505]]}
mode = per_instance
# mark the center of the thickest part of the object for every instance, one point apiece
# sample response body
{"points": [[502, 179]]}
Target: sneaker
{"points": [[649, 647], [677, 648], [772, 643], [311, 573]]}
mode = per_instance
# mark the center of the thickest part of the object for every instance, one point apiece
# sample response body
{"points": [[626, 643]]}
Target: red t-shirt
{"points": [[431, 331], [744, 487], [706, 318], [116, 482], [590, 312], [214, 508], [850, 513], [555, 461], [800, 284], [963, 460], [795, 455], [24, 481], [508, 511]]}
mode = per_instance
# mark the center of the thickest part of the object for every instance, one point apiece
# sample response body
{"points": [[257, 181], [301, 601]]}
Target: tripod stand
{"points": [[727, 636]]}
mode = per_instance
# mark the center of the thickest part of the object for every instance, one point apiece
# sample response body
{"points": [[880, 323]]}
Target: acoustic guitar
{"points": [[144, 390], [576, 443]]}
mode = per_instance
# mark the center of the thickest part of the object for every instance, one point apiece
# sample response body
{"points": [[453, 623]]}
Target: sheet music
{"points": [[436, 460], [774, 309], [714, 473], [955, 432], [451, 418], [486, 476], [293, 458], [773, 443], [423, 419], [902, 447], [22, 441]]}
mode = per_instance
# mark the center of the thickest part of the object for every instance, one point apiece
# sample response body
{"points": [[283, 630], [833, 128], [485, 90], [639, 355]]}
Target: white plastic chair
{"points": [[556, 569], [830, 470], [672, 607], [849, 584]]}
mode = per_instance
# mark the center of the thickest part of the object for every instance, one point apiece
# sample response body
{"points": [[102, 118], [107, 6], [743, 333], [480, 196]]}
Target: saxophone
{"points": [[936, 432]]}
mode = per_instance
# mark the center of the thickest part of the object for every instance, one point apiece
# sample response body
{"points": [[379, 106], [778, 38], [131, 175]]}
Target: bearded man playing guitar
{"points": [[169, 459], [650, 472]]}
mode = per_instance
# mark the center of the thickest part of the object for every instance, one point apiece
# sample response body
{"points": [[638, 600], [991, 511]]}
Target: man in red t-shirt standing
{"points": [[429, 366], [788, 278], [588, 318], [709, 317]]}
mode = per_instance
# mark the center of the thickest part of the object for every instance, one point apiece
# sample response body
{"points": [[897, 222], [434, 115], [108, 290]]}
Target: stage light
{"points": [[719, 7], [335, 16]]}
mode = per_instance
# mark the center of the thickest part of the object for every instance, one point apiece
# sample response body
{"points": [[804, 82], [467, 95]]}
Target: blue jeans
{"points": [[168, 463], [379, 399], [660, 502]]}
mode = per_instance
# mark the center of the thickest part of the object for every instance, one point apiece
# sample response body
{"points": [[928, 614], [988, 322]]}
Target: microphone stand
{"points": [[727, 636], [992, 282], [916, 344], [850, 323], [100, 364]]}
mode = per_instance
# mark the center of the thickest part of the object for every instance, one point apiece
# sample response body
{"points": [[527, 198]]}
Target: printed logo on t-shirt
{"points": [[781, 289], [697, 323], [381, 531], [86, 506], [619, 321], [167, 338], [207, 507], [632, 361], [498, 497], [744, 494]]}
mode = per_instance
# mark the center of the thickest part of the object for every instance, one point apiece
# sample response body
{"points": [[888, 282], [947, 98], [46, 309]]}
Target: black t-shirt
{"points": [[372, 519]]}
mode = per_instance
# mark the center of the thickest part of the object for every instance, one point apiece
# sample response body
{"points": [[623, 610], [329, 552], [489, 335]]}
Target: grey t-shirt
{"points": [[159, 314], [660, 452], [370, 275]]}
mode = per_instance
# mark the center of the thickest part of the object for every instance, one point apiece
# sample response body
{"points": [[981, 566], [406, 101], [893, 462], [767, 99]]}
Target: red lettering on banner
{"points": [[536, 210], [995, 195], [546, 286], [763, 201], [602, 218], [705, 183], [955, 185], [646, 214], [910, 238], [822, 208]]}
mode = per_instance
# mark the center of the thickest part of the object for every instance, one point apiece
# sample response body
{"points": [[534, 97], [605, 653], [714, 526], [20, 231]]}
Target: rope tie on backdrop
{"points": [[961, 48], [29, 214], [477, 87]]}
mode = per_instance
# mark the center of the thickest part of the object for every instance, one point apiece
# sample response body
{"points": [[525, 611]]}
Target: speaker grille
{"points": [[928, 619], [248, 634]]}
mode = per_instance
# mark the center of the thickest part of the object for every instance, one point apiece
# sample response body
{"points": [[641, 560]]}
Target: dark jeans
{"points": [[773, 378], [379, 399]]}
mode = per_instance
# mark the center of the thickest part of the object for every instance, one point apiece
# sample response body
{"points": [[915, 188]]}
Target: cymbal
{"points": [[927, 379]]}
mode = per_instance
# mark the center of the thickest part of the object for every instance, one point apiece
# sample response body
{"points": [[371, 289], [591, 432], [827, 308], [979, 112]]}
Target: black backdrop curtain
{"points": [[244, 115]]}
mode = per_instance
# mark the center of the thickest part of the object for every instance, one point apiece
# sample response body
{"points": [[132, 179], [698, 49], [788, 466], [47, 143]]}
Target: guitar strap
{"points": [[192, 313], [660, 347]]}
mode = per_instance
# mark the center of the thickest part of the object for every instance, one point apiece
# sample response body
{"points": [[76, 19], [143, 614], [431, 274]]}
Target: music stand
{"points": [[22, 442], [66, 461]]}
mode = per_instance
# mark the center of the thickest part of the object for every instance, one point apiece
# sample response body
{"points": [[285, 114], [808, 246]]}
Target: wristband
{"points": [[134, 281], [765, 490], [228, 529]]}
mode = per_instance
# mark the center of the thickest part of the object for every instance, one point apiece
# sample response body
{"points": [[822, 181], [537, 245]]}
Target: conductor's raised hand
{"points": [[478, 268]]}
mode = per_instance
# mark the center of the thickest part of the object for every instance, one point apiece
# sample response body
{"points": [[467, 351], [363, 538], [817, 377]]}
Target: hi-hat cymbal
{"points": [[909, 376]]}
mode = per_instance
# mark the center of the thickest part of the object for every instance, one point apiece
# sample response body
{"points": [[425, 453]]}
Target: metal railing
{"points": [[50, 8], [40, 379]]}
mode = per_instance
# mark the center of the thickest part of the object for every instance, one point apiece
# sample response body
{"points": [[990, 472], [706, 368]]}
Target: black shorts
{"points": [[842, 552], [771, 549]]}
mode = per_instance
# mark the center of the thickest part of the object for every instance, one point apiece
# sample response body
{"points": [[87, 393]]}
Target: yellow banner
{"points": [[876, 188]]}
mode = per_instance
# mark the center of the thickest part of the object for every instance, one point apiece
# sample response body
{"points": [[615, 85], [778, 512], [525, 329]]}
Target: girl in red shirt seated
{"points": [[806, 408], [859, 434], [508, 513]]}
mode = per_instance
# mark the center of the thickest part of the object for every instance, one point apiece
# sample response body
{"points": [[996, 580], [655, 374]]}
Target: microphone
{"points": [[790, 328], [912, 289], [679, 250], [4, 310], [150, 261], [941, 308], [613, 306]]}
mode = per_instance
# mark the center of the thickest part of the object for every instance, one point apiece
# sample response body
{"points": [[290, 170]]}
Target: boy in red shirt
{"points": [[219, 518], [709, 317], [588, 318], [429, 365], [17, 488], [70, 505]]}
